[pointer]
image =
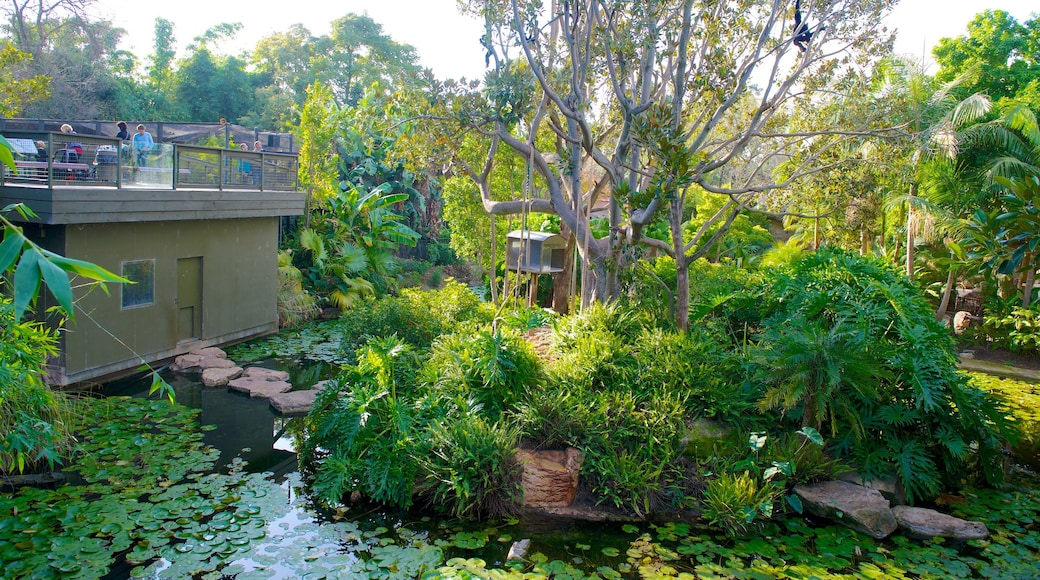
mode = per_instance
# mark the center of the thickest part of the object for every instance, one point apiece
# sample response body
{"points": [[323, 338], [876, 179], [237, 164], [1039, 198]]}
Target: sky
{"points": [[446, 41]]}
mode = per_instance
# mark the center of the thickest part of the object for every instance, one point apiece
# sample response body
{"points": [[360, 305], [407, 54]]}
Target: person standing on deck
{"points": [[143, 144]]}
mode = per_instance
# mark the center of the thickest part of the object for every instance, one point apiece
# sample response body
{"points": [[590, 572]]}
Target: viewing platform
{"points": [[72, 178]]}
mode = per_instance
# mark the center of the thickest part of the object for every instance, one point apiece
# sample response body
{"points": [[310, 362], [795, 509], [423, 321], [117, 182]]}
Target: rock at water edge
{"points": [[860, 508], [926, 523]]}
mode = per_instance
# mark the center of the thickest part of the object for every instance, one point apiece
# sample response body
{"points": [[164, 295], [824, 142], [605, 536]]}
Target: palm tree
{"points": [[1016, 249], [932, 117]]}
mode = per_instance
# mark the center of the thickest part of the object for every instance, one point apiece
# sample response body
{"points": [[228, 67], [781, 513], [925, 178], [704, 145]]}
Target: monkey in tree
{"points": [[802, 34]]}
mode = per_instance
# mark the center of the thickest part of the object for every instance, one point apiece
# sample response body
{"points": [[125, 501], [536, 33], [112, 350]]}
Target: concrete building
{"points": [[196, 233]]}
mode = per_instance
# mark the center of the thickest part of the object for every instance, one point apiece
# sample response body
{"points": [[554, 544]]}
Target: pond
{"points": [[163, 496], [303, 540]]}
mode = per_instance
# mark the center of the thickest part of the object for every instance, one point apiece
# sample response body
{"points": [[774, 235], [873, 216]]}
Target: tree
{"points": [[1008, 235], [998, 51], [22, 86], [655, 97], [354, 56]]}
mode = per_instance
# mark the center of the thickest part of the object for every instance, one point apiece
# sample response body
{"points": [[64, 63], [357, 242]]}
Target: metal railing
{"points": [[61, 159]]}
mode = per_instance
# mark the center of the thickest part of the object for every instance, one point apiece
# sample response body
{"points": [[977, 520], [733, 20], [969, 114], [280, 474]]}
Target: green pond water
{"points": [[213, 493], [302, 540]]}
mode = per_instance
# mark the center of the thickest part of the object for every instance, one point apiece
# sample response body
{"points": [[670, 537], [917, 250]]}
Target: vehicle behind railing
{"points": [[62, 159]]}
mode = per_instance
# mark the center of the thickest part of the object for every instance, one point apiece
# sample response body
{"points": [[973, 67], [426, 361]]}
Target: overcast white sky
{"points": [[448, 42]]}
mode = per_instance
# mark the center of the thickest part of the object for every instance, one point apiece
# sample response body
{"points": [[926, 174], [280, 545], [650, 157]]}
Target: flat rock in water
{"points": [[212, 362], [860, 508], [209, 352], [926, 523], [186, 362], [294, 402], [266, 374], [219, 377], [258, 388]]}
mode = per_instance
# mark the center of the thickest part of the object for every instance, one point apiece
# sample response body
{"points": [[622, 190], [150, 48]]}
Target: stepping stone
{"points": [[926, 523], [211, 362], [257, 387], [186, 362], [209, 352], [860, 508], [219, 377], [266, 374], [294, 402]]}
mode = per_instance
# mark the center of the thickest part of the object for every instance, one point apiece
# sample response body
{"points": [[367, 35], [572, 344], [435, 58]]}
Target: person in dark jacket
{"points": [[124, 132]]}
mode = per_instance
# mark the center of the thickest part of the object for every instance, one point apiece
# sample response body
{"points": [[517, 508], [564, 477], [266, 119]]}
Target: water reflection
{"points": [[245, 427]]}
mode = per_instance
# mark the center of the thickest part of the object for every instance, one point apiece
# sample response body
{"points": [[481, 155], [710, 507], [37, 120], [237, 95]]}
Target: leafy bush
{"points": [[633, 443], [295, 305], [470, 469], [34, 430], [362, 433], [735, 502], [855, 349], [696, 365], [494, 369], [1017, 331]]}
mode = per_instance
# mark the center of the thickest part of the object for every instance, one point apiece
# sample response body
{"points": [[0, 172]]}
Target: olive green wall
{"points": [[239, 289]]}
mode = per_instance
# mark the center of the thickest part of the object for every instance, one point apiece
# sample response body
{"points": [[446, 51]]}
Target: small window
{"points": [[142, 291]]}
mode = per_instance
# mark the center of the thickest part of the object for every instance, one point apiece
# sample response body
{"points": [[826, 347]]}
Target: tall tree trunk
{"points": [[492, 276], [910, 235], [1027, 290], [944, 304], [562, 280], [682, 266]]}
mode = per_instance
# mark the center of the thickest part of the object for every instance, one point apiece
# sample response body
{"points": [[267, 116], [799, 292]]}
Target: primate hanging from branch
{"points": [[802, 34]]}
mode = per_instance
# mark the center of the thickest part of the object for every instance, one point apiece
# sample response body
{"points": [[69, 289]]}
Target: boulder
{"points": [[266, 374], [258, 388], [889, 486], [550, 478], [860, 508], [294, 402], [926, 523], [219, 377]]}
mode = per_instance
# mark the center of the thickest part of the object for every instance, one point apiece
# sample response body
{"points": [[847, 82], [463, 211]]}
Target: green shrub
{"points": [[470, 468], [633, 443], [34, 420], [1017, 331], [493, 369], [360, 433], [738, 503], [697, 365], [854, 348]]}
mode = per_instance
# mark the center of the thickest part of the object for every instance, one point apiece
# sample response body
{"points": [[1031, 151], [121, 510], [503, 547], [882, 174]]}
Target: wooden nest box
{"points": [[535, 252]]}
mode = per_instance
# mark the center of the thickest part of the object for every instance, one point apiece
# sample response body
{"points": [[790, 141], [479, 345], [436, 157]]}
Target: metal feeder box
{"points": [[543, 252]]}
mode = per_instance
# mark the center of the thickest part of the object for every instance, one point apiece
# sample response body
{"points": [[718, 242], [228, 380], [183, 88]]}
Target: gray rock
{"points": [[518, 550], [219, 377], [258, 388], [889, 486], [294, 402], [860, 508], [926, 523]]}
